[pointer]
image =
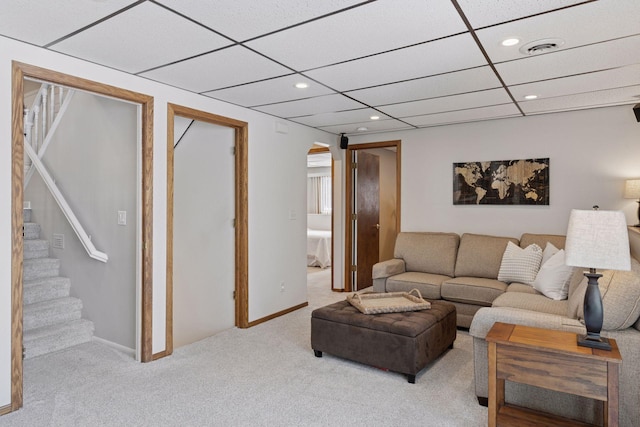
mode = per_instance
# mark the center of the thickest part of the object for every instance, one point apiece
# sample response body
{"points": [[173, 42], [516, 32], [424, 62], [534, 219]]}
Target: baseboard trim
{"points": [[278, 314], [129, 351], [5, 409]]}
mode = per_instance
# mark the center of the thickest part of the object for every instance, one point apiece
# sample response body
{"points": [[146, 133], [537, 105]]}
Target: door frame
{"points": [[318, 150], [241, 212], [348, 215], [20, 71]]}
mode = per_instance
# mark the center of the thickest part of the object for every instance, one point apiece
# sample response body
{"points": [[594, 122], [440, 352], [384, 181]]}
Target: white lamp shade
{"points": [[632, 189], [597, 239]]}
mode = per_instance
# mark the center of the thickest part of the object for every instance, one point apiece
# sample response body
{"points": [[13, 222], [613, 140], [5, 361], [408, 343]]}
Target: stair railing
{"points": [[40, 123]]}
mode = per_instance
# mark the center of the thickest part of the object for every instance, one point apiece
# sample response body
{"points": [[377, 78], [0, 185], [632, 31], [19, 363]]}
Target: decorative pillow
{"points": [[549, 251], [554, 276], [620, 291], [520, 265]]}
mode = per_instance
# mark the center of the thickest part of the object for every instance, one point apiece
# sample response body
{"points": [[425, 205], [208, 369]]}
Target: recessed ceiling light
{"points": [[531, 97], [362, 129], [302, 85], [375, 117], [510, 42]]}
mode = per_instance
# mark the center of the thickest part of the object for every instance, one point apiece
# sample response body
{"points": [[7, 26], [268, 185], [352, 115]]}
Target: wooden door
{"points": [[367, 203]]}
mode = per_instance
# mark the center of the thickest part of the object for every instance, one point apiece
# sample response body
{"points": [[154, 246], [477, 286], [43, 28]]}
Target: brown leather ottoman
{"points": [[401, 342]]}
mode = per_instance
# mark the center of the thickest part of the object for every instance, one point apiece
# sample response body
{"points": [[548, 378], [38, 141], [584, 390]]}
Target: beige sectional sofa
{"points": [[464, 269]]}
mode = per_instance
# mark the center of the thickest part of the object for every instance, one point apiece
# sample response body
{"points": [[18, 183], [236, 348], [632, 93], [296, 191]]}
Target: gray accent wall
{"points": [[93, 159]]}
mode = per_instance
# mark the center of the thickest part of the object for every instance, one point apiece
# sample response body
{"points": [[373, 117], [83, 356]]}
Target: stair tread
{"points": [[52, 303], [41, 261], [45, 280], [46, 331]]}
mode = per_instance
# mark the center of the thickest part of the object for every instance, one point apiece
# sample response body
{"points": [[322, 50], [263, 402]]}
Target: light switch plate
{"points": [[122, 217]]}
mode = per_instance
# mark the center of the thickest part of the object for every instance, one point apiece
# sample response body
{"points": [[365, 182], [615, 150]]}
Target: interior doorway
{"points": [[232, 134], [372, 209], [320, 209], [144, 103]]}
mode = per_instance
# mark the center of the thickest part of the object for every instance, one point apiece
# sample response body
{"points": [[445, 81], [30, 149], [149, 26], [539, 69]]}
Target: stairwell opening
{"points": [[31, 261]]}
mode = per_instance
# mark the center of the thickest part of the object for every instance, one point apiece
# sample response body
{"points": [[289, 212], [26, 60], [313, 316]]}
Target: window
{"points": [[319, 195]]}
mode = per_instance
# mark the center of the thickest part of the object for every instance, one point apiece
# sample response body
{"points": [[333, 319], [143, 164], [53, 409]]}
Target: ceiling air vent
{"points": [[541, 46]]}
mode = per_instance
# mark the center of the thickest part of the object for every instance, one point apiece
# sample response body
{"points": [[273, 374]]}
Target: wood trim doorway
{"points": [[241, 208], [19, 72], [348, 285]]}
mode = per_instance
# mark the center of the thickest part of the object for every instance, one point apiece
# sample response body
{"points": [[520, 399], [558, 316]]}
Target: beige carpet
{"points": [[263, 376]]}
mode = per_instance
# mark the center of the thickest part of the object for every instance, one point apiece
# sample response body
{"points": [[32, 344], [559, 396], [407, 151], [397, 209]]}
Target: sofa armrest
{"points": [[388, 268], [487, 316]]}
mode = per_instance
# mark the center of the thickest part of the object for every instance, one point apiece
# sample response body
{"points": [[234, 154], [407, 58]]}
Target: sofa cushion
{"points": [[472, 290], [428, 284], [620, 291], [480, 255], [522, 288], [554, 276], [541, 240], [428, 252], [533, 302], [520, 265]]}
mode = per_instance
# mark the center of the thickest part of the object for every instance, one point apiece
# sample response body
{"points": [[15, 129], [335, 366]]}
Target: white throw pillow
{"points": [[520, 265], [548, 252], [554, 276]]}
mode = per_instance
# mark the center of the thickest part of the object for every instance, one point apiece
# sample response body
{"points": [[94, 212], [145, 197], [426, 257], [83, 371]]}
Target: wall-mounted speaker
{"points": [[636, 111], [344, 141]]}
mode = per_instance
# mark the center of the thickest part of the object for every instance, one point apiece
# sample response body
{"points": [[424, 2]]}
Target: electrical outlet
{"points": [[281, 286]]}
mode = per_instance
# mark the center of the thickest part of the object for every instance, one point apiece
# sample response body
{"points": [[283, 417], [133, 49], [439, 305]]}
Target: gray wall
{"points": [[93, 159]]}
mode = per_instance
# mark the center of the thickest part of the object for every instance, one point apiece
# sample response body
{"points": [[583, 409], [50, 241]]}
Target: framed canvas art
{"points": [[501, 182]]}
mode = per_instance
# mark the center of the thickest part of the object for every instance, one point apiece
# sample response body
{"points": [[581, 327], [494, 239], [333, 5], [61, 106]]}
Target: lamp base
{"points": [[594, 342]]}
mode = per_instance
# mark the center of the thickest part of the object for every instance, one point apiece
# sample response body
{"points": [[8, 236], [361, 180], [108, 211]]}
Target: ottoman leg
{"points": [[317, 353], [411, 378]]}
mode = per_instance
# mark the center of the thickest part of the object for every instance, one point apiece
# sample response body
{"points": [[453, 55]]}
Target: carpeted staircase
{"points": [[51, 318]]}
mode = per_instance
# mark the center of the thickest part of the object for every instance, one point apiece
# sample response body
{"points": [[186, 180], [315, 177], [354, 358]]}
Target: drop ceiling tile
{"points": [[372, 127], [578, 26], [371, 28], [224, 68], [341, 117], [41, 22], [449, 54], [615, 53], [448, 103], [138, 39], [429, 87], [601, 98], [305, 107], [475, 114], [270, 91], [608, 79], [257, 17], [489, 12]]}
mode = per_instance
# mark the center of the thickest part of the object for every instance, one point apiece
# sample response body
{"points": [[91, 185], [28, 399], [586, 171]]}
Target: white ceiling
{"points": [[412, 63]]}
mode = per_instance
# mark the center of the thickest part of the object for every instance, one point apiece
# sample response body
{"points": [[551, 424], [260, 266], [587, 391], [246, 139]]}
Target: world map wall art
{"points": [[501, 182]]}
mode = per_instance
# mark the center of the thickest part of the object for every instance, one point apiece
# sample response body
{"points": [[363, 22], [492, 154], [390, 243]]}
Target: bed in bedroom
{"points": [[318, 248]]}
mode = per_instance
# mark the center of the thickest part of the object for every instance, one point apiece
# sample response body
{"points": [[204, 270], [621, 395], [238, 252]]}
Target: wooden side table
{"points": [[552, 360]]}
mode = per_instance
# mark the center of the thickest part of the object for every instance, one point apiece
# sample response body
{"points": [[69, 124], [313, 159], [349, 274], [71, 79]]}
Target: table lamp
{"points": [[596, 239], [632, 191]]}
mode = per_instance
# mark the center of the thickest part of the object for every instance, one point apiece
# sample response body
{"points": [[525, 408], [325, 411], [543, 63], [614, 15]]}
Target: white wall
{"points": [[591, 153], [276, 243]]}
